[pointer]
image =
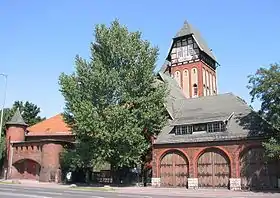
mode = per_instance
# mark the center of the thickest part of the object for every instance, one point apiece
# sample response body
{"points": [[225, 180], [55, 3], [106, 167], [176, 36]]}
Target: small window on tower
{"points": [[178, 43], [195, 89]]}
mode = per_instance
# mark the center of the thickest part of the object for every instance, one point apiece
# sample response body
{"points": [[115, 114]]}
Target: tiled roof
{"points": [[52, 126], [242, 121]]}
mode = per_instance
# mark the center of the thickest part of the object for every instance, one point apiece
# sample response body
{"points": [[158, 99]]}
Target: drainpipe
{"points": [[11, 158]]}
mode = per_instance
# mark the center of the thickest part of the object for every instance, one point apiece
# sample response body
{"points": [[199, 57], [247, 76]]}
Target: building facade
{"points": [[34, 152], [211, 140]]}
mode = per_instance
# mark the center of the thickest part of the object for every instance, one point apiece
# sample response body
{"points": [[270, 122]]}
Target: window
{"points": [[195, 90], [199, 127], [184, 42], [183, 129], [203, 127], [180, 53], [178, 43], [215, 127]]}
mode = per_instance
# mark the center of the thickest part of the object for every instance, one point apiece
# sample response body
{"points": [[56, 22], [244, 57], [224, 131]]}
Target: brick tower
{"points": [[15, 132], [192, 63], [16, 128]]}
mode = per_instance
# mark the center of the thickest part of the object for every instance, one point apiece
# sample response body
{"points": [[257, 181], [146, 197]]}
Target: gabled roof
{"points": [[17, 119], [188, 29], [51, 126], [242, 121]]}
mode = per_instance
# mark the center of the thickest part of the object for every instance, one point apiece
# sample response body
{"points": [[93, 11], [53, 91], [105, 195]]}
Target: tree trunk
{"points": [[115, 175]]}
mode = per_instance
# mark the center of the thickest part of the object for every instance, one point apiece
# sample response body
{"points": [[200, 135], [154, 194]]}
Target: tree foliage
{"points": [[111, 101], [265, 86]]}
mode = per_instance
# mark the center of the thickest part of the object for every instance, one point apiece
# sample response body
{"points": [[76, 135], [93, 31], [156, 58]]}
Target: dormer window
{"points": [[203, 127], [183, 129], [216, 127]]}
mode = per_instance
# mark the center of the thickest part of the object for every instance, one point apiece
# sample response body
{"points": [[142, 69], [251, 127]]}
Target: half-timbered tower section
{"points": [[214, 140], [192, 63]]}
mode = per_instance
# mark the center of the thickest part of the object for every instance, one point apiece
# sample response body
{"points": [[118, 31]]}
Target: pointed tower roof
{"points": [[17, 119], [188, 29]]}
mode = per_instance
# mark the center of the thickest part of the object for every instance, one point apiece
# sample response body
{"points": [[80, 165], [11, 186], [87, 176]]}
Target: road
{"points": [[19, 191], [15, 191]]}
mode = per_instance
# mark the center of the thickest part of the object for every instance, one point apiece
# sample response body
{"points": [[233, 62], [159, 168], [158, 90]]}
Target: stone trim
{"points": [[192, 183], [155, 182], [235, 183]]}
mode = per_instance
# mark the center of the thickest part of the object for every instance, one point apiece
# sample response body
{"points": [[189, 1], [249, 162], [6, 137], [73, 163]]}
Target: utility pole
{"points": [[3, 105]]}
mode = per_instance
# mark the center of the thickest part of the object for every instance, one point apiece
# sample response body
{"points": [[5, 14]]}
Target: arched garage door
{"points": [[256, 171], [174, 170], [213, 169]]}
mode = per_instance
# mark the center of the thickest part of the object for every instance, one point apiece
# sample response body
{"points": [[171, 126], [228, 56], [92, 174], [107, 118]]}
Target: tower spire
{"points": [[17, 119]]}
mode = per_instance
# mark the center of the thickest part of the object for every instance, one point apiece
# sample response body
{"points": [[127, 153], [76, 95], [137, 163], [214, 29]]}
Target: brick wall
{"points": [[199, 65], [50, 163], [232, 150]]}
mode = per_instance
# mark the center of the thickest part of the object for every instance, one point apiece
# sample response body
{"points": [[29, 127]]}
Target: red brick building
{"points": [[33, 152], [211, 140]]}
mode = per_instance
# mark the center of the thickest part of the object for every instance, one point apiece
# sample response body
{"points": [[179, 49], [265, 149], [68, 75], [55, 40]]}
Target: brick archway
{"points": [[26, 169], [213, 168], [257, 171], [173, 168]]}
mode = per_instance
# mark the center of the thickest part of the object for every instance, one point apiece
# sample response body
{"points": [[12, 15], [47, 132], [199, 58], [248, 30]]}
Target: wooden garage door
{"points": [[256, 171], [173, 170], [213, 170]]}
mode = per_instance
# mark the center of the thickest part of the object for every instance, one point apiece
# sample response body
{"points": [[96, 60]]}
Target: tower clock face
{"points": [[184, 50]]}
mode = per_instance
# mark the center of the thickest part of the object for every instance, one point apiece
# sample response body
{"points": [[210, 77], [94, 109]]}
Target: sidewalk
{"points": [[33, 183], [195, 193]]}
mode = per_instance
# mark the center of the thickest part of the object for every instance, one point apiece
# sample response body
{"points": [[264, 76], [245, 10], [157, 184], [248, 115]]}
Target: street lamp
{"points": [[2, 112]]}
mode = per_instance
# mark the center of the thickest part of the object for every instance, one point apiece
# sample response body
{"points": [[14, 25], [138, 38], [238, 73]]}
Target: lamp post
{"points": [[3, 105]]}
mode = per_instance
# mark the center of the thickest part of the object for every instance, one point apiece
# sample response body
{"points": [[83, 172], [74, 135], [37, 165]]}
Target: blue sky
{"points": [[39, 39]]}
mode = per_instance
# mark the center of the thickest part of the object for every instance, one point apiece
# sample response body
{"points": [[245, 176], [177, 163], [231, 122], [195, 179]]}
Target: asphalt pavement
{"points": [[16, 191], [44, 191]]}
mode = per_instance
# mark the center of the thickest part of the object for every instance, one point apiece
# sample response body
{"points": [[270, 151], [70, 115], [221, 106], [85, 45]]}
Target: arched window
{"points": [[177, 77], [186, 82], [203, 76], [214, 84], [204, 90], [195, 90], [194, 82], [211, 83]]}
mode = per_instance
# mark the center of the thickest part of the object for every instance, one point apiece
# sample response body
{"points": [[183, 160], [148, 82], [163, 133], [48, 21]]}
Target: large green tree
{"points": [[112, 102], [264, 85]]}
